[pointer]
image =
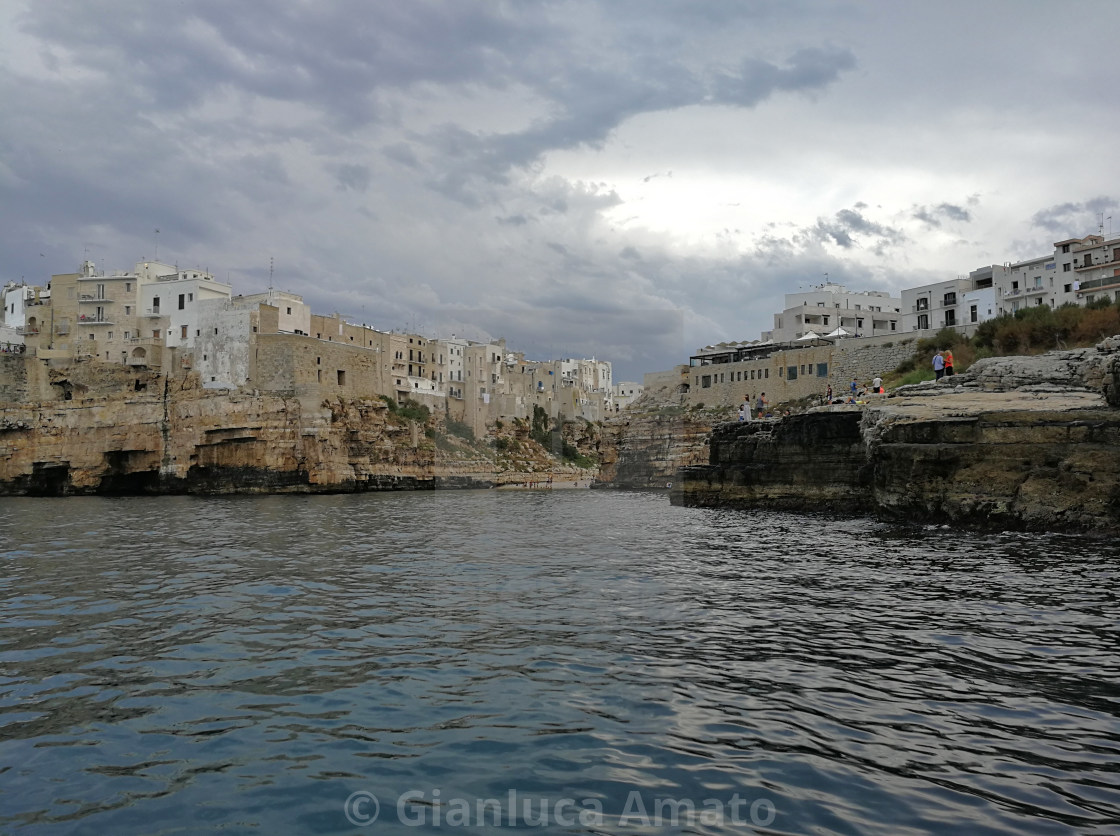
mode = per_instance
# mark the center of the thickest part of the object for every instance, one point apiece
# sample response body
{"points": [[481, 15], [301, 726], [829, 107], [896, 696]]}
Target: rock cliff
{"points": [[95, 428], [1031, 443], [644, 447]]}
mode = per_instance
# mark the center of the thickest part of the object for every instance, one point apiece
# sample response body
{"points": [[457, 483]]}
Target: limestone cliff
{"points": [[95, 428], [1028, 443], [644, 447]]}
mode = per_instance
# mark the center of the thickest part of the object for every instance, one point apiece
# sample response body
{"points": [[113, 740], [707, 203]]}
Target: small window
{"points": [[182, 301], [289, 311], [791, 373], [341, 377], [190, 297]]}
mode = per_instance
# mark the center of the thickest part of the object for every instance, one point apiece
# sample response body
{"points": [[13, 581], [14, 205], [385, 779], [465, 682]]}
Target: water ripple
{"points": [[186, 665]]}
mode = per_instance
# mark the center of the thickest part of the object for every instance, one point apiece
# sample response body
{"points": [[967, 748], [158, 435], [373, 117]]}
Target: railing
{"points": [[94, 320], [89, 297], [1093, 284], [152, 312]]}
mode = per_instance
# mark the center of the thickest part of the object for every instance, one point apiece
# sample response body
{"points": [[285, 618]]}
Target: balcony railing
{"points": [[1096, 284], [152, 312], [89, 297], [94, 319]]}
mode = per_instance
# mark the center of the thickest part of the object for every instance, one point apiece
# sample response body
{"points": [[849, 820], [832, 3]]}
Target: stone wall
{"points": [[790, 374]]}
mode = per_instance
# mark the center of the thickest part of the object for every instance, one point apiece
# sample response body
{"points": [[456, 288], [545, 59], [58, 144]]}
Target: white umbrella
{"points": [[811, 335], [839, 332]]}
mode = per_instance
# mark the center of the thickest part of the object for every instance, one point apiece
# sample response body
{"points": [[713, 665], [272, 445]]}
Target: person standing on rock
{"points": [[746, 407], [949, 362], [828, 394], [938, 365], [762, 404]]}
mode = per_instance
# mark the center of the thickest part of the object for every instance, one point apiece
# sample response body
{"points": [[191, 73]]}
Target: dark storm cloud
{"points": [[848, 228], [934, 215], [353, 177], [1071, 219]]}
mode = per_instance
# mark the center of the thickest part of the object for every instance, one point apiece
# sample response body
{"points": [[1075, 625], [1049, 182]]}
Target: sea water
{"points": [[568, 662]]}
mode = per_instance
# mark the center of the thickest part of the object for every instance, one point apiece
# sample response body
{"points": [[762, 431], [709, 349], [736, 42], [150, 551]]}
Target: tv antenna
{"points": [[270, 265], [156, 256]]}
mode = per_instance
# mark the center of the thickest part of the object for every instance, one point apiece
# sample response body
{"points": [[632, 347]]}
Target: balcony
{"points": [[1034, 291], [94, 319], [89, 297], [1099, 284], [152, 312]]}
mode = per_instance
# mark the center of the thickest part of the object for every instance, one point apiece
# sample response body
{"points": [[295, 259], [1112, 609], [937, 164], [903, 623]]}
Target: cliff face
{"points": [[645, 448], [114, 430], [1032, 444]]}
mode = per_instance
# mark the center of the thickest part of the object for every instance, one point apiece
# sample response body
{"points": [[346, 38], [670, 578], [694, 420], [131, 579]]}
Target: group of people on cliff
{"points": [[943, 364], [762, 407]]}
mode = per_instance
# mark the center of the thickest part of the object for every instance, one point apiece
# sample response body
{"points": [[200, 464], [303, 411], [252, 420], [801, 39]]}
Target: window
{"points": [[922, 304], [973, 314], [791, 373], [822, 369], [289, 311], [950, 317], [706, 382], [155, 304], [128, 310], [766, 373], [198, 332], [127, 287], [1066, 268], [1067, 288], [1065, 248], [923, 322], [182, 301], [110, 335], [341, 377]]}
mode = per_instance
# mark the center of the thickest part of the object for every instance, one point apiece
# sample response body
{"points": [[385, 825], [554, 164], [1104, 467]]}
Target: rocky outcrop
{"points": [[646, 446], [111, 430], [1030, 443]]}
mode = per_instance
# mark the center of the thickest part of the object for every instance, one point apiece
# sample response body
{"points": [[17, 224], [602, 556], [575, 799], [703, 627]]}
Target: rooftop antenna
{"points": [[270, 265], [156, 256]]}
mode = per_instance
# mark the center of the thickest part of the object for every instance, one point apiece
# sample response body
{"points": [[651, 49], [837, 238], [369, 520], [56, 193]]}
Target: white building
{"points": [[169, 299], [18, 317], [625, 393], [956, 303], [828, 307]]}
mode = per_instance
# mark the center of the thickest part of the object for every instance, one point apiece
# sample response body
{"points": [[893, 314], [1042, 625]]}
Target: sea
{"points": [[591, 662]]}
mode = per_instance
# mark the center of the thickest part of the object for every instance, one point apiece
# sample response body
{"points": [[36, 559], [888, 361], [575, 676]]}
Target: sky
{"points": [[629, 180]]}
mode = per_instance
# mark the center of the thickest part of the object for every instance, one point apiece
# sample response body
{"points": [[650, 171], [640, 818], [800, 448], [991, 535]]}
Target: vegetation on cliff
{"points": [[1028, 331]]}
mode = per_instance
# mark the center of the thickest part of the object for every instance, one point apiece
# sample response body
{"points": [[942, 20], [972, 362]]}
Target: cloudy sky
{"points": [[628, 179]]}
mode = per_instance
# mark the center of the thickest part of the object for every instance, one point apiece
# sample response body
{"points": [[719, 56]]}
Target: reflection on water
{"points": [[180, 665]]}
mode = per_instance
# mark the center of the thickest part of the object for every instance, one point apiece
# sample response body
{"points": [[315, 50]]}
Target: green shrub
{"points": [[459, 429]]}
